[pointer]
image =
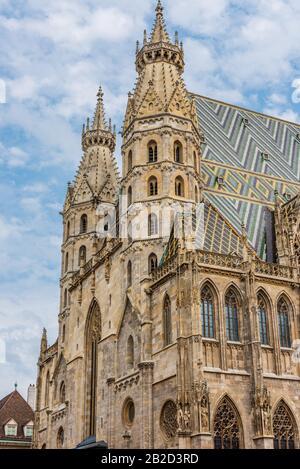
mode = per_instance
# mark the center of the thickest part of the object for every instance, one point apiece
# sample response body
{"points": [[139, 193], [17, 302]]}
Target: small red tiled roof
{"points": [[13, 406]]}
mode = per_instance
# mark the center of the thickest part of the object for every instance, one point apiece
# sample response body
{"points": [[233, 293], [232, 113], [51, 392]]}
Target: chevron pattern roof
{"points": [[246, 157]]}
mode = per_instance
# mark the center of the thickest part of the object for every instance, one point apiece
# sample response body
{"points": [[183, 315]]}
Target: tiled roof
{"points": [[255, 155], [13, 406]]}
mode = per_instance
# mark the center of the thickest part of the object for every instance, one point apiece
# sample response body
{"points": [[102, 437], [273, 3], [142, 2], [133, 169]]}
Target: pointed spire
{"points": [[159, 32], [44, 342], [99, 118]]}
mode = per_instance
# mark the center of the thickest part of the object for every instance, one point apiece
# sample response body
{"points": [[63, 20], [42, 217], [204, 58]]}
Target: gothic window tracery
{"points": [[227, 427], [207, 312], [231, 313], [284, 323], [167, 321], [263, 320], [283, 428], [93, 336], [168, 419]]}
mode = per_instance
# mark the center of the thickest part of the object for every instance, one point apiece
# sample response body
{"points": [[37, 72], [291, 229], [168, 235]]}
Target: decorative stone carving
{"points": [[201, 399], [262, 411], [169, 421]]}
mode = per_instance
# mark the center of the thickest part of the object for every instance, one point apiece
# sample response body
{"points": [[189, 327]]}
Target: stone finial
{"points": [[159, 33], [99, 117], [44, 342]]}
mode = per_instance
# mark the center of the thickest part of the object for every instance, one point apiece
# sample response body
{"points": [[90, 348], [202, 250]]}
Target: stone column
{"points": [[111, 413], [146, 383]]}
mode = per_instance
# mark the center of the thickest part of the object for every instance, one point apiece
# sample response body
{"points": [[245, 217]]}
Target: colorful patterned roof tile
{"points": [[256, 155]]}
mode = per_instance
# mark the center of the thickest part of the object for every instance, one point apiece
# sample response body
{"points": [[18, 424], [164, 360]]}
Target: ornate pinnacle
{"points": [[159, 33], [145, 37], [159, 8], [99, 133], [99, 117]]}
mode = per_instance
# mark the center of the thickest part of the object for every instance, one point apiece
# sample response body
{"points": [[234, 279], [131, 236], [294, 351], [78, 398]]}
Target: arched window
{"points": [[82, 255], [195, 162], [231, 314], [62, 393], [130, 352], [178, 152], [152, 224], [68, 230], [63, 334], [152, 186], [228, 432], [179, 187], [47, 389], [65, 303], [67, 262], [284, 323], [167, 321], [129, 196], [130, 161], [92, 339], [196, 195], [129, 274], [263, 320], [152, 151], [207, 312], [152, 263], [83, 224], [284, 427], [60, 438]]}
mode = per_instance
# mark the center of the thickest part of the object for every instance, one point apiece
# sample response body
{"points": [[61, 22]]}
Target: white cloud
{"points": [[13, 156], [296, 93], [287, 114]]}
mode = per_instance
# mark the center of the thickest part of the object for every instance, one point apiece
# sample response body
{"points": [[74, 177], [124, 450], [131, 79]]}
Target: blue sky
{"points": [[53, 57]]}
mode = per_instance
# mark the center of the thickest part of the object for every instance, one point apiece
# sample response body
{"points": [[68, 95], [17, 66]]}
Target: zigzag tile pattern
{"points": [[255, 155]]}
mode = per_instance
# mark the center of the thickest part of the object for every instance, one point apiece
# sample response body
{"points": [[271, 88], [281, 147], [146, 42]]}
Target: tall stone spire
{"points": [[99, 117], [159, 33], [99, 133]]}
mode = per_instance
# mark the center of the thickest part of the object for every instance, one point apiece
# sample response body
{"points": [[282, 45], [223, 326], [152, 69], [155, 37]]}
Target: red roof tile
{"points": [[13, 406]]}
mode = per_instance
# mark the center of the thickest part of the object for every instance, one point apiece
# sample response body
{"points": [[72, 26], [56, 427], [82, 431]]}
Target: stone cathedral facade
{"points": [[167, 340]]}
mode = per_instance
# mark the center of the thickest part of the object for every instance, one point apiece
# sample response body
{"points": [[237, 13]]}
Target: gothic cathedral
{"points": [[179, 315]]}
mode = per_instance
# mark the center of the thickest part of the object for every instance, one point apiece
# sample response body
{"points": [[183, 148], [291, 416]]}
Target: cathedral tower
{"points": [[161, 149], [95, 185]]}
